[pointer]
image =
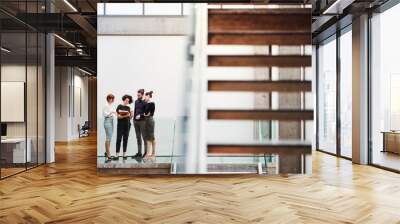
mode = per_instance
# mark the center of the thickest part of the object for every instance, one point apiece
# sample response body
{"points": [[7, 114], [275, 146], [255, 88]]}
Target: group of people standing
{"points": [[143, 122]]}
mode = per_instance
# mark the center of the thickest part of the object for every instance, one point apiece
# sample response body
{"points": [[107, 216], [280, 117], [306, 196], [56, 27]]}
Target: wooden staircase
{"points": [[266, 27]]}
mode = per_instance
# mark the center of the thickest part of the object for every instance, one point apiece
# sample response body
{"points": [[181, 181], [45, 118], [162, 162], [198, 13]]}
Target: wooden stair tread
{"points": [[260, 114], [260, 60], [260, 85], [259, 20], [261, 32], [272, 147], [257, 11], [260, 38], [289, 143]]}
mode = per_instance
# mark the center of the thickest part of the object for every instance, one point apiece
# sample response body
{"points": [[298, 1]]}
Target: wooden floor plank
{"points": [[71, 191]]}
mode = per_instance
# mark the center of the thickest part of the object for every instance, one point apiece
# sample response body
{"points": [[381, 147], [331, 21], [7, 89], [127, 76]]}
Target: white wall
{"points": [[129, 63], [33, 127], [17, 73], [228, 131], [67, 114]]}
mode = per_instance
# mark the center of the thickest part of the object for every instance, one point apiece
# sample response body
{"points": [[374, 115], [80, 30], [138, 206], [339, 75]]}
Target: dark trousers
{"points": [[122, 135], [140, 135]]}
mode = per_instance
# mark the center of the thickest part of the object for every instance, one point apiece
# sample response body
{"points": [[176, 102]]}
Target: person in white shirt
{"points": [[109, 113]]}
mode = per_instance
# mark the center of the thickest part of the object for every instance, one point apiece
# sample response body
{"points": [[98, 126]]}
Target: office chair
{"points": [[84, 130]]}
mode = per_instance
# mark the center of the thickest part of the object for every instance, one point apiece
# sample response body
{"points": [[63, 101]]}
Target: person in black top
{"points": [[149, 130], [124, 123], [139, 123]]}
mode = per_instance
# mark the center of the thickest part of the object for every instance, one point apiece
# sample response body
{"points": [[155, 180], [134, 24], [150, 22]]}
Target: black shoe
{"points": [[138, 159], [107, 158], [137, 155], [124, 157], [115, 158]]}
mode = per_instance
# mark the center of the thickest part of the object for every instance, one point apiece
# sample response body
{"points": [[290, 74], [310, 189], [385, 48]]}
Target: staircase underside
{"points": [[271, 27]]}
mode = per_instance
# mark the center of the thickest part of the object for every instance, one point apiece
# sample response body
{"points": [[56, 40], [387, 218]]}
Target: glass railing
{"points": [[178, 147], [226, 131], [260, 164], [165, 138], [171, 140]]}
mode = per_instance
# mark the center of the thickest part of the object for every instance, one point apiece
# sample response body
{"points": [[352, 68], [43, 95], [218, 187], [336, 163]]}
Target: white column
{"points": [[50, 98], [196, 153], [360, 90]]}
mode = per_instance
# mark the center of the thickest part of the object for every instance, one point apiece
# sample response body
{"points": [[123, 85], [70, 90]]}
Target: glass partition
{"points": [[32, 97], [15, 148], [22, 88], [346, 93], [41, 99], [385, 89], [327, 96]]}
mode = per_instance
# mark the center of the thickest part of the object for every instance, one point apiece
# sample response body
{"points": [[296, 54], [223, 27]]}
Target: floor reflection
{"points": [[387, 159]]}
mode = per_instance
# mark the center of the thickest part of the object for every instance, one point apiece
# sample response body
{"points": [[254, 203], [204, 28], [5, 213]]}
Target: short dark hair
{"points": [[150, 93], [127, 96], [110, 97], [141, 91]]}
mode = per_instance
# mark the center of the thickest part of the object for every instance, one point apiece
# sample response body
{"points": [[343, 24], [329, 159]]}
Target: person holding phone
{"points": [[124, 124]]}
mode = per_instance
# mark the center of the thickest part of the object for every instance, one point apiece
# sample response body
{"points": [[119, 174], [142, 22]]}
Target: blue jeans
{"points": [[109, 127]]}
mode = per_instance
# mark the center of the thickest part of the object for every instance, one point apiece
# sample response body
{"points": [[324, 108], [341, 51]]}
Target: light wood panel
{"points": [[70, 191]]}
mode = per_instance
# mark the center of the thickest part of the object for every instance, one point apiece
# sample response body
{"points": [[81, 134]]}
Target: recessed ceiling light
{"points": [[84, 71], [5, 50], [70, 5], [64, 40]]}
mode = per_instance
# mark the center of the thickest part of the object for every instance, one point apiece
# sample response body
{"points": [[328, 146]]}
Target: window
{"points": [[327, 96], [346, 94], [124, 9], [144, 9], [385, 88]]}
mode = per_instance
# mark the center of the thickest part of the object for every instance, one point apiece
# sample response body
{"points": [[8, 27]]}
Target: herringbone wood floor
{"points": [[70, 191]]}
